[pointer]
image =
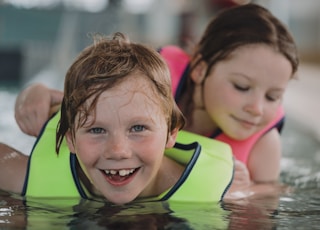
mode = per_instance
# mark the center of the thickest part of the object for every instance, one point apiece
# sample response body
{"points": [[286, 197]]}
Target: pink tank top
{"points": [[178, 61]]}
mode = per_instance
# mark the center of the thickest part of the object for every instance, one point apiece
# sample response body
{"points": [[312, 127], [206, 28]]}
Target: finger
{"points": [[26, 127]]}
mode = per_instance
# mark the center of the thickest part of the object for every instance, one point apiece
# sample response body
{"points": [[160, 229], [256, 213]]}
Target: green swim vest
{"points": [[207, 175]]}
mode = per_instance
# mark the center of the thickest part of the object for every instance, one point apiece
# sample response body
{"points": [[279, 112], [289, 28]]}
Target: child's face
{"points": [[122, 151], [243, 93]]}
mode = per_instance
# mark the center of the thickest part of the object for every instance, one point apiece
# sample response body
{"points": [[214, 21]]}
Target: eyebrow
{"points": [[241, 74]]}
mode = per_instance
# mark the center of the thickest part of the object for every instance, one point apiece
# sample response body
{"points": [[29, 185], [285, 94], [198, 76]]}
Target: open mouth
{"points": [[119, 177]]}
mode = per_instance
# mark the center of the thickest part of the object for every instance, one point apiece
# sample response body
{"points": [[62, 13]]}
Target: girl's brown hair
{"points": [[236, 27]]}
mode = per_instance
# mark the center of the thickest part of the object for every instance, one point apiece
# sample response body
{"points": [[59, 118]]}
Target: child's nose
{"points": [[118, 147], [255, 106]]}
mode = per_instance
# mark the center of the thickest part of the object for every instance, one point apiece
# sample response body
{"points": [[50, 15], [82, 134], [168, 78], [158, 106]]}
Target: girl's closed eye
{"points": [[273, 98], [241, 87]]}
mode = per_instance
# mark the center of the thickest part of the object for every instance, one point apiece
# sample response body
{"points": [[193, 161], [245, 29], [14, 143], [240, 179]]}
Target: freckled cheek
{"points": [[152, 150], [88, 153], [151, 153]]}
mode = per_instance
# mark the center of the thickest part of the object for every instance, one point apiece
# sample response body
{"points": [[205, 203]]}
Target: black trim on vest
{"points": [[197, 150], [73, 167], [26, 179], [216, 133], [280, 124], [228, 186]]}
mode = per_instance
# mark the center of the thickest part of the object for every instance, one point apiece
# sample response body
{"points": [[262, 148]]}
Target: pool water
{"points": [[298, 207]]}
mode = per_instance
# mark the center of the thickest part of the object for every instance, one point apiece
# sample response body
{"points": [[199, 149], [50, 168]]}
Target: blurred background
{"points": [[40, 38]]}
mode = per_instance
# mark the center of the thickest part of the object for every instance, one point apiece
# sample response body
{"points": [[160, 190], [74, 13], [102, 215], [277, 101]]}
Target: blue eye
{"points": [[96, 130], [138, 128]]}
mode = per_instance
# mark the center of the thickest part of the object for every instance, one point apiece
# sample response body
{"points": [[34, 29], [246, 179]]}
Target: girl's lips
{"points": [[247, 125], [119, 177], [245, 122]]}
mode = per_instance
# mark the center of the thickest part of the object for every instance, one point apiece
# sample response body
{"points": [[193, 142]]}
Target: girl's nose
{"points": [[255, 106]]}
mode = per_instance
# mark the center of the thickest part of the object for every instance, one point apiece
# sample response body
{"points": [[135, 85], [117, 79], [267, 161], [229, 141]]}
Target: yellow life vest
{"points": [[207, 175]]}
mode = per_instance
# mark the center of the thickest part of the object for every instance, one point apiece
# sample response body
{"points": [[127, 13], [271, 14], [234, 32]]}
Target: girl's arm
{"points": [[13, 166], [264, 160], [260, 177]]}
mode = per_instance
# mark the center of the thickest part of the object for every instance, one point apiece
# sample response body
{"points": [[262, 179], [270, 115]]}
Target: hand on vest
{"points": [[33, 107], [241, 181]]}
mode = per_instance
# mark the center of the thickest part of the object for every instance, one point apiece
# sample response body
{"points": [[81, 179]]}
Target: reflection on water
{"points": [[297, 209], [16, 213]]}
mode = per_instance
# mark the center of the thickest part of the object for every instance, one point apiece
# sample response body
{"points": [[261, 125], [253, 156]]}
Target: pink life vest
{"points": [[178, 62]]}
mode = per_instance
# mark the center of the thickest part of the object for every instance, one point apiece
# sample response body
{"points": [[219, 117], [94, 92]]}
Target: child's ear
{"points": [[198, 73], [70, 142], [172, 138]]}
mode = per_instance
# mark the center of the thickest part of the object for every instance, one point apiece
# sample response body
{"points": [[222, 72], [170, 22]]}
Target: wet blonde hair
{"points": [[102, 66]]}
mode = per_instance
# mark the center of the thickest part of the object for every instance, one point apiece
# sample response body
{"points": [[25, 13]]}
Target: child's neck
{"points": [[201, 123], [168, 175], [86, 182]]}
